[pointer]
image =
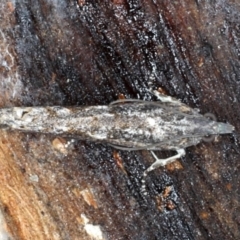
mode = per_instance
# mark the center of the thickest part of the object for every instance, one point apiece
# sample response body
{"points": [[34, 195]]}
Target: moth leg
{"points": [[163, 162], [160, 163], [165, 98], [168, 99]]}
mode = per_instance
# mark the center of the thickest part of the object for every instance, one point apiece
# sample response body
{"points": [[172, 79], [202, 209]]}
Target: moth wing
{"points": [[174, 105], [172, 144]]}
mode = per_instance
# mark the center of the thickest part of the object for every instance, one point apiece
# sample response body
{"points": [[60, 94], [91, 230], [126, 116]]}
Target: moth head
{"points": [[219, 127], [223, 128]]}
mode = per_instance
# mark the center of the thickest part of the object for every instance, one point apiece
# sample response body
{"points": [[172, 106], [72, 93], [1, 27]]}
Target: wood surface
{"points": [[75, 53]]}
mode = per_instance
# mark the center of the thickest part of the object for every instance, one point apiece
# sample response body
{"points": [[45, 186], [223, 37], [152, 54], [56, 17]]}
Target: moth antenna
{"points": [[126, 101]]}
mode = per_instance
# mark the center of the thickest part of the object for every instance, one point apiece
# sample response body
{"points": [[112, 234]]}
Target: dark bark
{"points": [[89, 53]]}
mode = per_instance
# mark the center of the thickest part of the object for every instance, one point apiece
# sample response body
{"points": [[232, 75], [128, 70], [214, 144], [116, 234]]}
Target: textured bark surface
{"points": [[90, 53]]}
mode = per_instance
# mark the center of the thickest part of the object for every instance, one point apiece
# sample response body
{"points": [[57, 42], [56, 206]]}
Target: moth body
{"points": [[128, 125], [131, 125]]}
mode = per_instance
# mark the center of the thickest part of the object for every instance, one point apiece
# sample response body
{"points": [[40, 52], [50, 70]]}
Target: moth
{"points": [[127, 124]]}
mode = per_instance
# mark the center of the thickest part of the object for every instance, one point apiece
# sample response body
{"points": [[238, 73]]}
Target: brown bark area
{"points": [[88, 53]]}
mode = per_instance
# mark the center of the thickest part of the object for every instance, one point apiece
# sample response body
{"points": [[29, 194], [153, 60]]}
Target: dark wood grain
{"points": [[89, 53]]}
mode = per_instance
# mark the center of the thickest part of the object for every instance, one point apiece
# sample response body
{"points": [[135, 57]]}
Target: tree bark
{"points": [[75, 53]]}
